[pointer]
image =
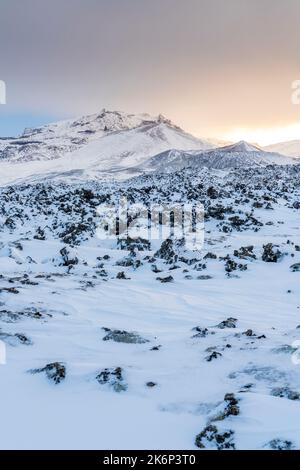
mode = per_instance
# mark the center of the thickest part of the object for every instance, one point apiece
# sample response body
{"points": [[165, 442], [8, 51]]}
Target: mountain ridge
{"points": [[289, 148], [54, 140], [231, 156], [114, 144]]}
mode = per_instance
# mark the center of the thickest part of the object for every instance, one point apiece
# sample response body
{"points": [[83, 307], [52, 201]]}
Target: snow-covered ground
{"points": [[127, 349]]}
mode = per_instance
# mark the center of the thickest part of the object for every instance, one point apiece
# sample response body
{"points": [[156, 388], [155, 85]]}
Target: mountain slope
{"points": [[112, 142], [291, 148], [119, 145], [55, 140], [231, 156], [58, 139]]}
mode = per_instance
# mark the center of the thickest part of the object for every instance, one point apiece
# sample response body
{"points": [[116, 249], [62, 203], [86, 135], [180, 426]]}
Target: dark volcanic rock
{"points": [[165, 279], [68, 259], [14, 339], [55, 372], [211, 437], [285, 392], [271, 254], [295, 267], [280, 444], [130, 244], [229, 323], [231, 408], [121, 275], [213, 355], [200, 332], [122, 336], [114, 378], [245, 252]]}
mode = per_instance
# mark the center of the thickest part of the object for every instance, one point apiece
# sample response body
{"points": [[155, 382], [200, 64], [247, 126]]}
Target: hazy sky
{"points": [[212, 66]]}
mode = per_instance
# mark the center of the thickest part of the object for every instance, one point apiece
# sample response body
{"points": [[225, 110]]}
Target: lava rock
{"points": [[229, 323], [113, 378], [285, 392], [271, 254], [166, 279], [212, 437], [55, 372], [122, 336]]}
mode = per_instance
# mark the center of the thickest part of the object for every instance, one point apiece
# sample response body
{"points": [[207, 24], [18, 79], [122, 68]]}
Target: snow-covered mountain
{"points": [[91, 147], [88, 133], [119, 145], [55, 140], [241, 154], [290, 148]]}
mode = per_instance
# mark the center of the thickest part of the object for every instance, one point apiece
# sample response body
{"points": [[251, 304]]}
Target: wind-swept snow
{"points": [[99, 360], [147, 344]]}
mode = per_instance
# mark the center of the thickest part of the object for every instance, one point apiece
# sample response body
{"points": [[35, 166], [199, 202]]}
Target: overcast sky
{"points": [[210, 65]]}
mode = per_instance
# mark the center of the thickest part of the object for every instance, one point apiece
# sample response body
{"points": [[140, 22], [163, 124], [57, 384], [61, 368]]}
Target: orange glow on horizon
{"points": [[263, 136]]}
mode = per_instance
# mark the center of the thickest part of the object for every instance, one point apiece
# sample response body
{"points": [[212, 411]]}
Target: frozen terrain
{"points": [[131, 345], [231, 156]]}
